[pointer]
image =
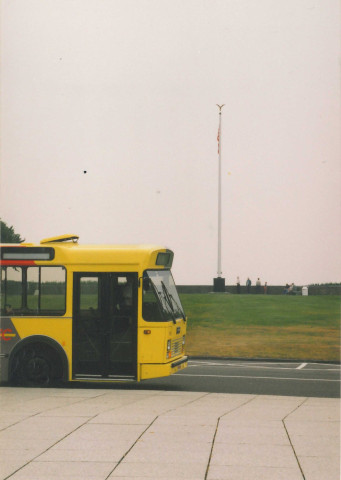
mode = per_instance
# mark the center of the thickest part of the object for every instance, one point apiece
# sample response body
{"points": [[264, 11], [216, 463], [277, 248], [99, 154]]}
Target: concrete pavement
{"points": [[97, 434]]}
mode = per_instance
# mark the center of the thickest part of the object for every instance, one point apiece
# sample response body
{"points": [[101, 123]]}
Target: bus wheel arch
{"points": [[38, 361]]}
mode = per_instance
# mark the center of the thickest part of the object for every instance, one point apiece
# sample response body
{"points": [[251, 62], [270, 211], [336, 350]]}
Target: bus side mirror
{"points": [[146, 284]]}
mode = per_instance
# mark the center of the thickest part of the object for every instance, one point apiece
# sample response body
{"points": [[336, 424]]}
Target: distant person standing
{"points": [[238, 285], [258, 285], [248, 285], [265, 288]]}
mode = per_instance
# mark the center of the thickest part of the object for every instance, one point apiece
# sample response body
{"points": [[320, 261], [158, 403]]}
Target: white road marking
{"points": [[252, 377], [268, 366], [238, 365]]}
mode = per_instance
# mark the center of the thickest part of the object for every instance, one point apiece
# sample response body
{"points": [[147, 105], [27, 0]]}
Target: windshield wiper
{"points": [[168, 299], [183, 316]]}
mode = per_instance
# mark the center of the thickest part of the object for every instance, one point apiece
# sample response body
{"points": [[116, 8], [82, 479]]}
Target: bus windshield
{"points": [[161, 301]]}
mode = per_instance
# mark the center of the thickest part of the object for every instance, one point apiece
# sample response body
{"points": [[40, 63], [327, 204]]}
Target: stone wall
{"points": [[272, 289], [324, 290]]}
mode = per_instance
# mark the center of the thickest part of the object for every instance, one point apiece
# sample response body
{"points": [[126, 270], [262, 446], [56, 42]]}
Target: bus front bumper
{"points": [[154, 370]]}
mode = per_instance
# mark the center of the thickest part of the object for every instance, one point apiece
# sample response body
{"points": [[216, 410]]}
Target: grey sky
{"points": [[127, 90]]}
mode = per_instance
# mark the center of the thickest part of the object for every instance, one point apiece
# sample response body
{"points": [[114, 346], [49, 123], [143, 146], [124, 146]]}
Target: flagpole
{"points": [[219, 272]]}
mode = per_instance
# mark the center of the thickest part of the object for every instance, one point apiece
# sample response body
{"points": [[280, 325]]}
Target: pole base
{"points": [[219, 284]]}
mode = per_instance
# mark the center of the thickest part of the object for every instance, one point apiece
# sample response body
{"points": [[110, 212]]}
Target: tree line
{"points": [[8, 235]]}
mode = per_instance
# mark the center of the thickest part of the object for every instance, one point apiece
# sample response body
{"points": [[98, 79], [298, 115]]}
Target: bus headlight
{"points": [[169, 348], [183, 343]]}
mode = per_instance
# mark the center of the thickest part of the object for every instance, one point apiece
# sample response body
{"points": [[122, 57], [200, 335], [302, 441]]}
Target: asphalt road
{"points": [[301, 379], [253, 377]]}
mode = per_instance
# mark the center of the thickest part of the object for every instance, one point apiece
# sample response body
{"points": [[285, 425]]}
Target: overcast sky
{"points": [[126, 90]]}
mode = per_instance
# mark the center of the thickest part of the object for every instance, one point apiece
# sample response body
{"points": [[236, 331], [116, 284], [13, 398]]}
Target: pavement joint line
{"points": [[49, 448], [132, 446], [286, 430], [264, 378], [212, 446], [148, 427], [52, 408], [19, 421], [216, 430]]}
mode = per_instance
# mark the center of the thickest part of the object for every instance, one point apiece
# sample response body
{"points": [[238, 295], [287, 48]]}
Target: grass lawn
{"points": [[263, 326]]}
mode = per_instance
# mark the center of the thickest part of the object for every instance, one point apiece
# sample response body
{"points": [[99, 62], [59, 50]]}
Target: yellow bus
{"points": [[72, 312]]}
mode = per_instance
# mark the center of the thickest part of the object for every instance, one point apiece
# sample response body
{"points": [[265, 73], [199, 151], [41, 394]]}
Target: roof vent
{"points": [[61, 238]]}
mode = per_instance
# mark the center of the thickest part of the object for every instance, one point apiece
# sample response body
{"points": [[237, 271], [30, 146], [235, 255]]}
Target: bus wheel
{"points": [[37, 366]]}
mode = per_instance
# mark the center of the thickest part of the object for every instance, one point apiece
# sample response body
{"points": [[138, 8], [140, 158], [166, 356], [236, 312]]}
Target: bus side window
{"points": [[53, 290], [11, 290], [33, 290]]}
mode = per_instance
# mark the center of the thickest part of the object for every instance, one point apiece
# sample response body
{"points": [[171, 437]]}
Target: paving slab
{"points": [[188, 419], [124, 417], [321, 446], [276, 456], [36, 428], [54, 470], [264, 434], [263, 409], [177, 453], [160, 470], [312, 429], [234, 472], [318, 468], [163, 434]]}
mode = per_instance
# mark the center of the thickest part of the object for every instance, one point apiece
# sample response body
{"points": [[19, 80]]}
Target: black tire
{"points": [[37, 365]]}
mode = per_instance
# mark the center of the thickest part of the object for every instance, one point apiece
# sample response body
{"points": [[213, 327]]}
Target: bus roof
{"points": [[67, 251]]}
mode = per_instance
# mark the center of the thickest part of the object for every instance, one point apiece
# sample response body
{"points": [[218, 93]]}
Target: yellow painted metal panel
{"points": [[152, 346], [159, 370]]}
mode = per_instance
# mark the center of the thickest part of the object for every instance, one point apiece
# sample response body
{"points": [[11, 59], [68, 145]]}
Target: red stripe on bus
{"points": [[17, 262]]}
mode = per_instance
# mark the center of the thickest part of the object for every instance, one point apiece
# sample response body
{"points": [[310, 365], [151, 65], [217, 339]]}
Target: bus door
{"points": [[105, 325]]}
